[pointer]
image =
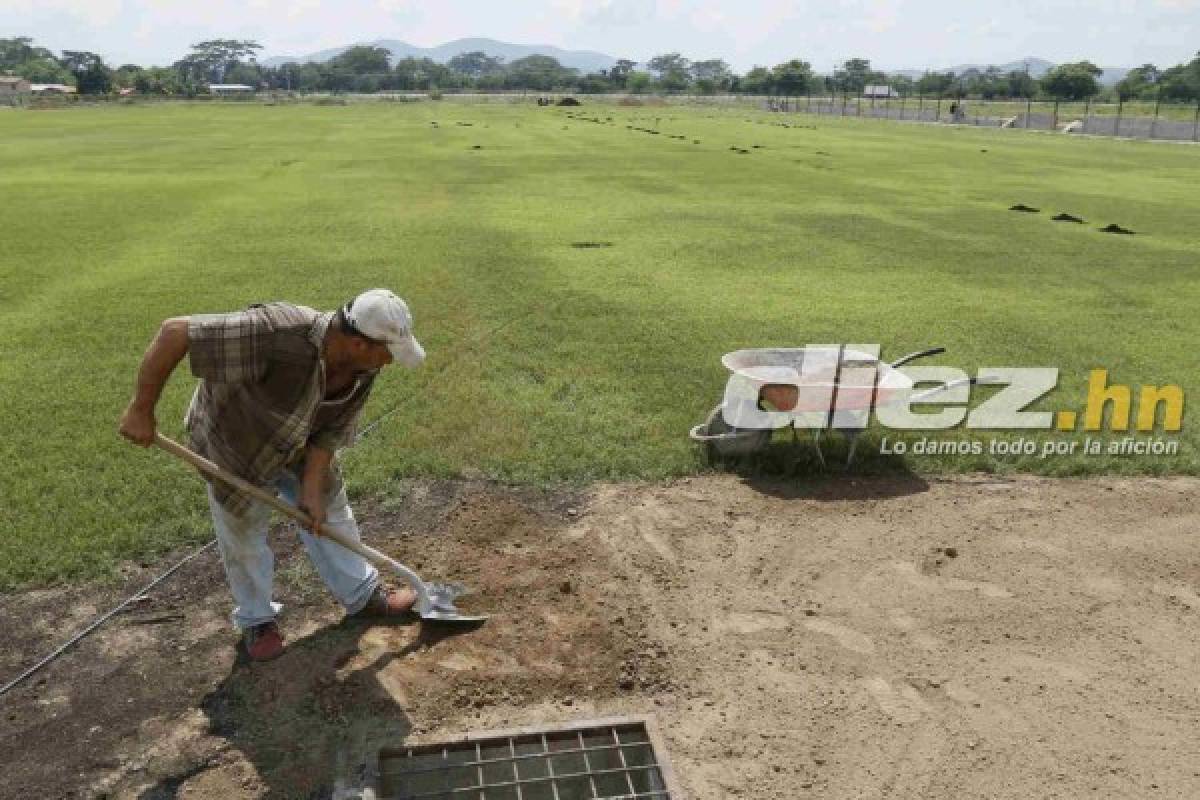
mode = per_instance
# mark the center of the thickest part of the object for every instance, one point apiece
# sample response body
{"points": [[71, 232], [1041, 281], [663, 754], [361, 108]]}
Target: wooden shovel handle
{"points": [[225, 476]]}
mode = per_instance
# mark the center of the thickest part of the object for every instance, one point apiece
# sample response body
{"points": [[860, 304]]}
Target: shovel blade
{"points": [[442, 608]]}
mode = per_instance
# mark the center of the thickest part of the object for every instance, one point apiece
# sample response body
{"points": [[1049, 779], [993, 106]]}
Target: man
{"points": [[281, 389]]}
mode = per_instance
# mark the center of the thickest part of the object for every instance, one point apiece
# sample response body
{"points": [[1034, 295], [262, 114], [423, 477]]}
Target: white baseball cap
{"points": [[381, 315]]}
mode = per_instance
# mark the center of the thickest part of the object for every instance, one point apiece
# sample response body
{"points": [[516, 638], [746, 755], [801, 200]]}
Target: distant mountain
{"points": [[582, 60], [1037, 68]]}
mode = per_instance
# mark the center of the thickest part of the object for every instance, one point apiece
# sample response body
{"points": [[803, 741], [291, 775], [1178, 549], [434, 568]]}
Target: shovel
{"points": [[435, 601]]}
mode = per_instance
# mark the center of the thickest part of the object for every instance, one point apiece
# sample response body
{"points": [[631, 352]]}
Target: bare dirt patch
{"points": [[973, 637]]}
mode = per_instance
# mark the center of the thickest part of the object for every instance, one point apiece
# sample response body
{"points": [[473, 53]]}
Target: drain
{"points": [[594, 760]]}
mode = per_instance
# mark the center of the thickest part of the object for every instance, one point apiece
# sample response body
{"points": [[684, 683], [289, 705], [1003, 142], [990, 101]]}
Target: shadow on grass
{"points": [[302, 723], [792, 466]]}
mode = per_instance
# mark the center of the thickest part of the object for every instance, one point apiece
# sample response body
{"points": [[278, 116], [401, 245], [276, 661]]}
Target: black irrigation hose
{"points": [[101, 620]]}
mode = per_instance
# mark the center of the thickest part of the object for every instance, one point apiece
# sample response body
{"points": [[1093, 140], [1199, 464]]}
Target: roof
{"points": [[230, 87], [52, 87]]}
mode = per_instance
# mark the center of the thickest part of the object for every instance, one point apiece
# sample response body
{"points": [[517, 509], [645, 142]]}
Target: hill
{"points": [[1037, 68], [582, 60]]}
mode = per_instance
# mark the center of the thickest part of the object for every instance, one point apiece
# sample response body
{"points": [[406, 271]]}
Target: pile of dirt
{"points": [[849, 638], [151, 709]]}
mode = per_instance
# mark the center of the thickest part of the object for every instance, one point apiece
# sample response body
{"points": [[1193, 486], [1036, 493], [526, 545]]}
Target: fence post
{"points": [[902, 99], [1054, 118], [845, 100], [808, 102], [938, 118], [1028, 110], [1157, 103], [1196, 124], [921, 107], [1117, 123]]}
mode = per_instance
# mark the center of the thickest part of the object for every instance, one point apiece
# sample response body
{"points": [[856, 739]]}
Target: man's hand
{"points": [[312, 502], [138, 425], [314, 484]]}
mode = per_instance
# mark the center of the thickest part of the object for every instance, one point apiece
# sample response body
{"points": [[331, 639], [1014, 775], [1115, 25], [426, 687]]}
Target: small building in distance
{"points": [[13, 85], [229, 89], [881, 91], [52, 88]]}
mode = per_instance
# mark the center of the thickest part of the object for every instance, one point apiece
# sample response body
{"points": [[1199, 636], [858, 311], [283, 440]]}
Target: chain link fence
{"points": [[1167, 121], [1140, 120]]}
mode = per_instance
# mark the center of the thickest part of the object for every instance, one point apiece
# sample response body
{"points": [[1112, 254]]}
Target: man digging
{"points": [[281, 389]]}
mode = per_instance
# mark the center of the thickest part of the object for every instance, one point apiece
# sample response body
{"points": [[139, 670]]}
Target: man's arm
{"points": [[162, 356], [314, 483]]}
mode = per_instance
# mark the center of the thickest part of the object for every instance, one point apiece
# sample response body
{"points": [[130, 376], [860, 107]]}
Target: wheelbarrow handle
{"points": [[933, 351], [212, 470]]}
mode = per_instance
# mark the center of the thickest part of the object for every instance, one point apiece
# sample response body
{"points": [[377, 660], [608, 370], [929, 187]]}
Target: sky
{"points": [[893, 34]]}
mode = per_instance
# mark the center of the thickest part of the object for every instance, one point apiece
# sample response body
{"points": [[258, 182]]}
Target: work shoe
{"points": [[263, 642], [388, 603]]}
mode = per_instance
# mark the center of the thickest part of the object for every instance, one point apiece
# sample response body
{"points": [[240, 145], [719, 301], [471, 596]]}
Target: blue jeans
{"points": [[250, 564]]}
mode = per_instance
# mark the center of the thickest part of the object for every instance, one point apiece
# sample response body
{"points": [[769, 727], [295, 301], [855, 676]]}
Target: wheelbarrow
{"points": [[822, 399]]}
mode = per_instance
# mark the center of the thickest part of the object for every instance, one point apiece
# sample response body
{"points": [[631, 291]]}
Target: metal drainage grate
{"points": [[594, 760]]}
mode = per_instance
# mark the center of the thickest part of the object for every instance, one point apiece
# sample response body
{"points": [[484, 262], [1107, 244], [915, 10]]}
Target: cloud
{"points": [[94, 13], [621, 13]]}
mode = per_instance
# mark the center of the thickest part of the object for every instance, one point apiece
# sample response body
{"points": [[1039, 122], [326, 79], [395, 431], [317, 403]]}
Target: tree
{"points": [[1072, 81], [756, 81], [476, 64], [1139, 82], [902, 84], [79, 60], [1182, 82], [854, 75], [362, 60], [95, 79], [593, 83], [210, 60], [935, 83], [1020, 83], [672, 69], [43, 70], [20, 50], [246, 74], [711, 76], [159, 80], [620, 72], [91, 75], [639, 82], [538, 72], [791, 77]]}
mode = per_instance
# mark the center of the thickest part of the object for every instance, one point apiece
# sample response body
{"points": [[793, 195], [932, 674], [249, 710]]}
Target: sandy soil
{"points": [[967, 638]]}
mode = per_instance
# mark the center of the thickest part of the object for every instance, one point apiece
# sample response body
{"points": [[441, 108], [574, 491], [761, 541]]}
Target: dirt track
{"points": [[970, 638]]}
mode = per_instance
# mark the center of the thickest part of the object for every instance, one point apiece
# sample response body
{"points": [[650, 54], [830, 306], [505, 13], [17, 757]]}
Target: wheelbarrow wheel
{"points": [[733, 442]]}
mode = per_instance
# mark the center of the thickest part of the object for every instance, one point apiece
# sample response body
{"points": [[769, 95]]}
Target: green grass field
{"points": [[550, 362]]}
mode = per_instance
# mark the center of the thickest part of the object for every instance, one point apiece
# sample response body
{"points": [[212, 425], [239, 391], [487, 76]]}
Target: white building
{"points": [[52, 88], [230, 88], [880, 91]]}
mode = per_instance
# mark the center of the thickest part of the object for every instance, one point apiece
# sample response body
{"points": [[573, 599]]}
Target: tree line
{"points": [[371, 69]]}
